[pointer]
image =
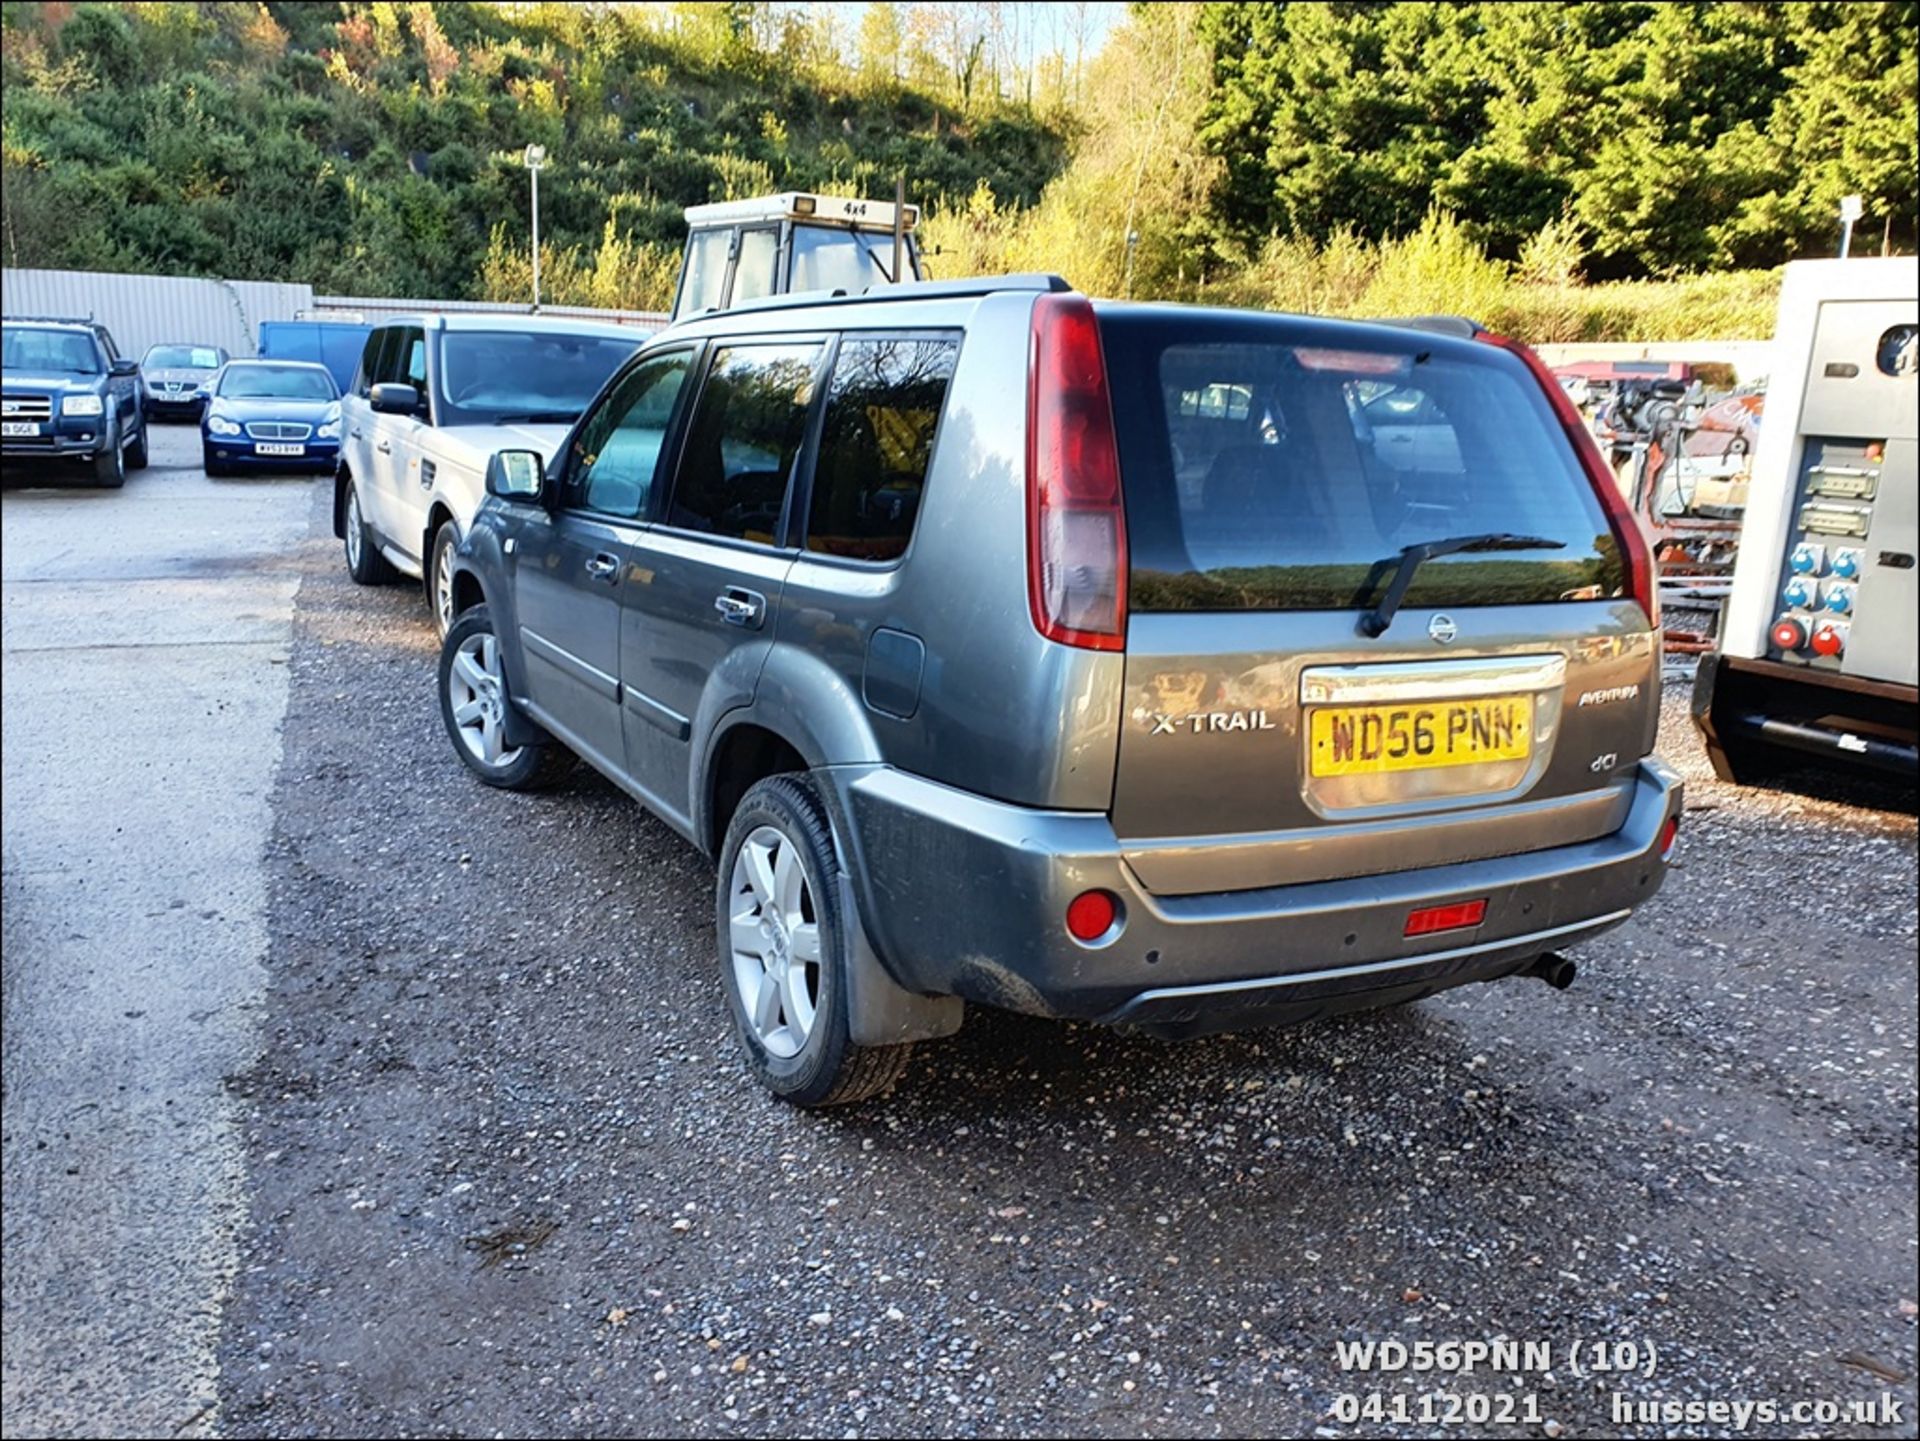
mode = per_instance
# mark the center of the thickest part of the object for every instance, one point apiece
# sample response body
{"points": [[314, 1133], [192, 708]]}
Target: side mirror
{"points": [[395, 397], [516, 474], [123, 367]]}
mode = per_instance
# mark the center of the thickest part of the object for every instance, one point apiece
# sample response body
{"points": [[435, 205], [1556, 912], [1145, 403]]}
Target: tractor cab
{"points": [[740, 250]]}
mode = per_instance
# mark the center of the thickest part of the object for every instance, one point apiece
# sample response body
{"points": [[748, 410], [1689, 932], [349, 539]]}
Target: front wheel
{"points": [[474, 702], [137, 450], [110, 465], [364, 562], [783, 952]]}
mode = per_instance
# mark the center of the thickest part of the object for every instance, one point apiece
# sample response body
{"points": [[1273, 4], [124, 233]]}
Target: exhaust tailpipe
{"points": [[1556, 970]]}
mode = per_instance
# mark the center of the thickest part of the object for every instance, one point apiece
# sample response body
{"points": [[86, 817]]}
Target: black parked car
{"points": [[67, 395]]}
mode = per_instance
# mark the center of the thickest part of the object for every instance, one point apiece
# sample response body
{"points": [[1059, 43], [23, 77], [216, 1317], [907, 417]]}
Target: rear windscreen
{"points": [[1284, 464]]}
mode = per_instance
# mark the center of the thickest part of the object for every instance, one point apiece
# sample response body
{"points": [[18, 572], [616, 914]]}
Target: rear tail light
{"points": [[1460, 916], [1635, 553], [1076, 528], [1669, 837]]}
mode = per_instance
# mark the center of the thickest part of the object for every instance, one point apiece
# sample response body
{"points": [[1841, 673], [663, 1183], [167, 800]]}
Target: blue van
{"points": [[335, 344]]}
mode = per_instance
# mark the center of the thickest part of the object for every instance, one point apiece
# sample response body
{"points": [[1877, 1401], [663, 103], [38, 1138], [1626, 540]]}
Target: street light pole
{"points": [[536, 157]]}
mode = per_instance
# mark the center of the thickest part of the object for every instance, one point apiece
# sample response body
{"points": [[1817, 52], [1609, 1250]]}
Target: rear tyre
{"points": [[364, 562], [474, 703], [783, 951], [440, 576], [110, 465], [137, 451]]}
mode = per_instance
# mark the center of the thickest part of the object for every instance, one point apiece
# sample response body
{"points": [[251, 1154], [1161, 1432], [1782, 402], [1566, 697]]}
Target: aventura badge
{"points": [[1609, 695]]}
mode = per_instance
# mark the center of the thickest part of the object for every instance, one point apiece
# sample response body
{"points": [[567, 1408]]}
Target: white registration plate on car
{"points": [[278, 447], [19, 427]]}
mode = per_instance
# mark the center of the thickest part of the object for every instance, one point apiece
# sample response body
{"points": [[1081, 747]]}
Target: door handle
{"points": [[383, 447], [604, 566], [357, 433], [741, 607]]}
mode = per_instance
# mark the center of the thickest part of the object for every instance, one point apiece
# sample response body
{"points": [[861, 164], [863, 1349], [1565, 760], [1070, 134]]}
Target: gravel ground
{"points": [[510, 1178]]}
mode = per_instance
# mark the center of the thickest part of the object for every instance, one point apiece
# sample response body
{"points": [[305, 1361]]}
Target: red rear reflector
{"points": [[1459, 916], [1669, 836], [1635, 554], [1090, 915], [1076, 528]]}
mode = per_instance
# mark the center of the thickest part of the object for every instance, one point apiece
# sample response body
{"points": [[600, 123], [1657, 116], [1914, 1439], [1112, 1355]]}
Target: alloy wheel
{"points": [[479, 696], [774, 941]]}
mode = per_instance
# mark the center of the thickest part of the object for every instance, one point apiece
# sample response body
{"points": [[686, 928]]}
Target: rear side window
{"points": [[740, 448], [1274, 464], [883, 406]]}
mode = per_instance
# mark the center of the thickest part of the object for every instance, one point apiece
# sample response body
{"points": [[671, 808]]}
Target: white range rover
{"points": [[434, 398]]}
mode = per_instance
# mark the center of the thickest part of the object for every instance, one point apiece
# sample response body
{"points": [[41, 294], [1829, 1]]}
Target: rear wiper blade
{"points": [[537, 417], [1412, 557]]}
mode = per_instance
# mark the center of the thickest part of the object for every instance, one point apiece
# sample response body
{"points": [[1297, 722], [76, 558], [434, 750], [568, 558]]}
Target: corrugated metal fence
{"points": [[144, 310]]}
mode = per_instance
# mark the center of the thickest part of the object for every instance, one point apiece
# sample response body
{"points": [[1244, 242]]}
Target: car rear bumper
{"points": [[966, 896]]}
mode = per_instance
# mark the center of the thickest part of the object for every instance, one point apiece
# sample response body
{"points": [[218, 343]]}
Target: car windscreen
{"points": [[849, 260], [276, 382], [1272, 463], [60, 352], [504, 376], [182, 357]]}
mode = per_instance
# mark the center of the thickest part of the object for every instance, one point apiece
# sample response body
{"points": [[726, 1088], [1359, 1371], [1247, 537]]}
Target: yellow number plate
{"points": [[1367, 740]]}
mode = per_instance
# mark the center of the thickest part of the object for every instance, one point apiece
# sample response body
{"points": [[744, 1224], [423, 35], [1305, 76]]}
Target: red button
{"points": [[1829, 640], [1788, 634]]}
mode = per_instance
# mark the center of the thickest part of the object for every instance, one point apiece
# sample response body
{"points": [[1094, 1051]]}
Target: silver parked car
{"points": [[434, 396], [1137, 664], [176, 377]]}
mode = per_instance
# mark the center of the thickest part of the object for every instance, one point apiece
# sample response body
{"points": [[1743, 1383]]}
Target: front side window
{"points": [[505, 377], [63, 352], [742, 442], [415, 373], [706, 268], [276, 382], [617, 452], [876, 441]]}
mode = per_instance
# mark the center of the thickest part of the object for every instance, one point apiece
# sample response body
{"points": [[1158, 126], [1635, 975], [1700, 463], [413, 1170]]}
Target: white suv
{"points": [[434, 397]]}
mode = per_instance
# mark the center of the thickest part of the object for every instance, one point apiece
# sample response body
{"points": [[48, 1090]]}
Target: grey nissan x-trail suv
{"points": [[1175, 668]]}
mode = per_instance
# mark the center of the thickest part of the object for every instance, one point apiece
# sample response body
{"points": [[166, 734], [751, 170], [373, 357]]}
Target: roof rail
{"points": [[1455, 325], [906, 290], [53, 319]]}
